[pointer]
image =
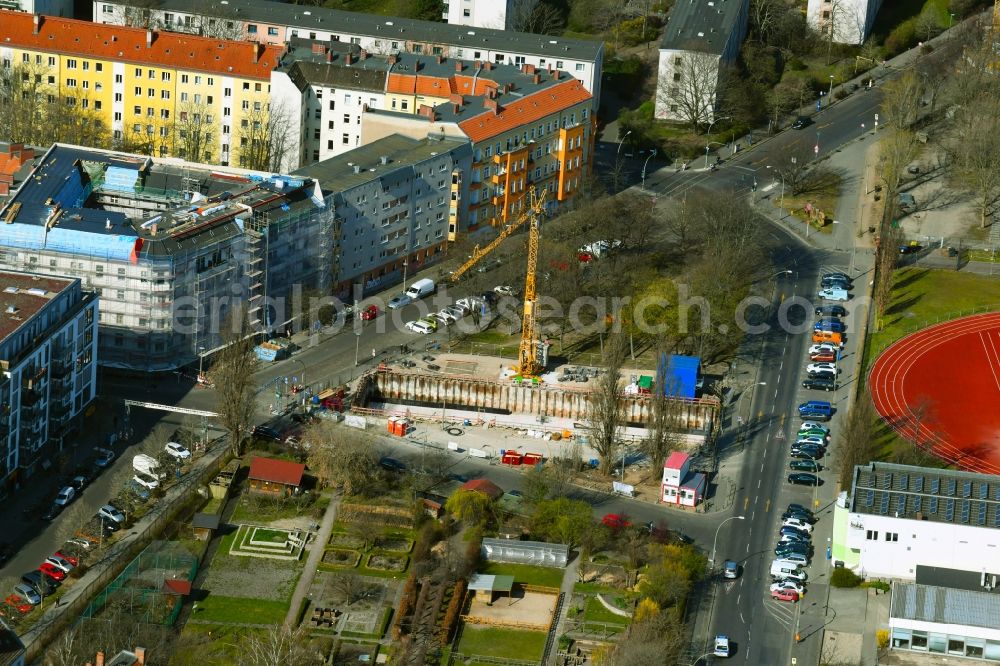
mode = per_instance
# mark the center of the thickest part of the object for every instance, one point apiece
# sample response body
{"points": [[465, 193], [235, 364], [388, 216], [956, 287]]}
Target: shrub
{"points": [[451, 615], [902, 37], [844, 578], [880, 585], [405, 604], [796, 65], [882, 638]]}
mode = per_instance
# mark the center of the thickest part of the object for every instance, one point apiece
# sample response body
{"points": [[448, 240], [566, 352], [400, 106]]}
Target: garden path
{"points": [[312, 563]]}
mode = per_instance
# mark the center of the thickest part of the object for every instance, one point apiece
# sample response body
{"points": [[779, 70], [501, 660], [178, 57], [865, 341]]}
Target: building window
{"points": [[252, 29], [871, 535], [272, 31], [345, 139], [892, 536]]}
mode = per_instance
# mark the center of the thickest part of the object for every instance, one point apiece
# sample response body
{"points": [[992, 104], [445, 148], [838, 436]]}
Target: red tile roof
{"points": [[122, 44], [524, 111], [277, 471], [437, 86], [484, 486]]}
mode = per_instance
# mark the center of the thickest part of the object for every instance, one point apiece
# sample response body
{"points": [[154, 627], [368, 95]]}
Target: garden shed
{"points": [[484, 486], [204, 525], [278, 478], [487, 586]]}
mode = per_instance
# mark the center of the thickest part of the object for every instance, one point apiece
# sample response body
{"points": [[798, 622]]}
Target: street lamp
{"points": [[707, 654], [201, 361], [711, 560], [710, 143], [830, 94], [781, 204], [651, 156], [709, 130], [405, 264], [620, 142], [357, 347]]}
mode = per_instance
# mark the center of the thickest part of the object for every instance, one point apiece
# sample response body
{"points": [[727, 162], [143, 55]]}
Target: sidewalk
{"points": [[315, 556]]}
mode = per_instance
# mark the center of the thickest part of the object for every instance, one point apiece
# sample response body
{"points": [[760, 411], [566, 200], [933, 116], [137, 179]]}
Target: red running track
{"points": [[940, 387]]}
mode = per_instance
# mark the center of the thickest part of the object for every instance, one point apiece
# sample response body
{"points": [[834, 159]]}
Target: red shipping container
{"points": [[532, 458], [391, 425], [510, 458]]}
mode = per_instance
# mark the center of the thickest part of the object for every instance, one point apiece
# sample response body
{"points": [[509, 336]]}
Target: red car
{"points": [[52, 571], [75, 561], [615, 522], [19, 603], [369, 313], [823, 358], [785, 595]]}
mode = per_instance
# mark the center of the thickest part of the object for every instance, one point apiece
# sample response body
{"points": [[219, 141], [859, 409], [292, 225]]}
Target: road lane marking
{"points": [[762, 467], [746, 503], [767, 507], [758, 484]]}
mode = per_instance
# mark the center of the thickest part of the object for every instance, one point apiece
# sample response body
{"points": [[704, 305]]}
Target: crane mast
{"points": [[528, 364]]}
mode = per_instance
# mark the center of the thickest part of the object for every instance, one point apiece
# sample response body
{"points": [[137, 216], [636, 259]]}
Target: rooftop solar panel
{"points": [[869, 498], [981, 518], [887, 480], [949, 510], [966, 506], [884, 504], [918, 484], [904, 481], [935, 486], [996, 519], [984, 490], [967, 489], [917, 502], [952, 486], [932, 507]]}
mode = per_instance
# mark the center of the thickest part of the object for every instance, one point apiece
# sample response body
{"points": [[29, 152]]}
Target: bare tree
{"points": [[606, 409], [341, 458], [195, 133], [764, 15], [535, 16], [689, 88], [264, 137], [368, 531], [855, 440], [663, 434], [278, 645], [222, 24], [233, 376]]}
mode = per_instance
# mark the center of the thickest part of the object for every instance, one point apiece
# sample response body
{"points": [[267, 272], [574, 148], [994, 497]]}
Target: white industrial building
{"points": [[900, 517], [945, 621], [850, 20], [699, 40], [48, 355]]}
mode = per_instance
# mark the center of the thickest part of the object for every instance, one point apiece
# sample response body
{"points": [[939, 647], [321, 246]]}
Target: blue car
{"points": [[834, 325], [818, 410]]}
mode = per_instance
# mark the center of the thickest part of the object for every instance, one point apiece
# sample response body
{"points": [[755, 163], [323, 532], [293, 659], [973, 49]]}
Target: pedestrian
{"points": [[373, 353]]}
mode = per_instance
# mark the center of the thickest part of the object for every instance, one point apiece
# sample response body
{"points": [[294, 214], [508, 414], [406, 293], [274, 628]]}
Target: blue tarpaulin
{"points": [[679, 375]]}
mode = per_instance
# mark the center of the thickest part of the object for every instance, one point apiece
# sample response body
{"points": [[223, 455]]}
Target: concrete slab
{"points": [[841, 647]]}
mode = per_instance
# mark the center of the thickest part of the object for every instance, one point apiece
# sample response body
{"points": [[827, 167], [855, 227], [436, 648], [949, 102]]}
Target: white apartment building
{"points": [[900, 517], [698, 40], [480, 13], [45, 7], [850, 20], [327, 89], [48, 358], [946, 621], [274, 22]]}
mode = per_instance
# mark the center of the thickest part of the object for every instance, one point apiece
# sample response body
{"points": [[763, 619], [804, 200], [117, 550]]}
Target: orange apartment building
{"points": [[528, 128]]}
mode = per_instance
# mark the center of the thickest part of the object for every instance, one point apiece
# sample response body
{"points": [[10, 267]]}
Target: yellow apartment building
{"points": [[159, 93]]}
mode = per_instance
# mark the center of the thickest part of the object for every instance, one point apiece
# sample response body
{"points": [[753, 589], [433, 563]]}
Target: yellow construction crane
{"points": [[529, 363]]}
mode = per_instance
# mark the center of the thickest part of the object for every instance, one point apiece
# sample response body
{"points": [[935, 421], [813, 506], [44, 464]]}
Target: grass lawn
{"points": [[594, 611], [203, 644], [923, 297], [509, 643], [595, 588], [232, 610], [525, 573], [271, 536]]}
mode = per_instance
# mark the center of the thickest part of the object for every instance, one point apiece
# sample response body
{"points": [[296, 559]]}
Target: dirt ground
{"points": [[526, 607]]}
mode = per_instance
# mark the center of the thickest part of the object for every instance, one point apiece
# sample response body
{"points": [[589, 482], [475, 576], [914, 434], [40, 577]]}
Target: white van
{"points": [[786, 570], [147, 465], [419, 326], [420, 288], [833, 294]]}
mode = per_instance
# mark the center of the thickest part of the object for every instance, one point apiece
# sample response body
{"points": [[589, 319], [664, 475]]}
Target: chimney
{"points": [[393, 59], [439, 58], [508, 87], [459, 66], [329, 56], [364, 54], [529, 69], [149, 38], [418, 65], [99, 661], [357, 168], [555, 74], [537, 78], [37, 21], [456, 108], [318, 47], [477, 65], [140, 655], [349, 59], [258, 48], [383, 159], [456, 99], [488, 66]]}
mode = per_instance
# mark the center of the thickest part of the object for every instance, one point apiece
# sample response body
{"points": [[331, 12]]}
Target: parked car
{"points": [[457, 311], [504, 290], [372, 312], [266, 432], [392, 464], [804, 479], [80, 542], [807, 454], [721, 648], [834, 294], [419, 326], [795, 586], [804, 466], [801, 547], [615, 521], [823, 348], [51, 512], [819, 384], [809, 450], [52, 571], [397, 301], [834, 325], [817, 440], [798, 507], [111, 512], [40, 583], [59, 563], [913, 247], [907, 203], [838, 275], [19, 604], [28, 593], [72, 559], [785, 595], [146, 481], [65, 496], [816, 410], [825, 357], [813, 432], [104, 457], [801, 525], [812, 425], [831, 311], [822, 367], [801, 122], [177, 451], [79, 482]]}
